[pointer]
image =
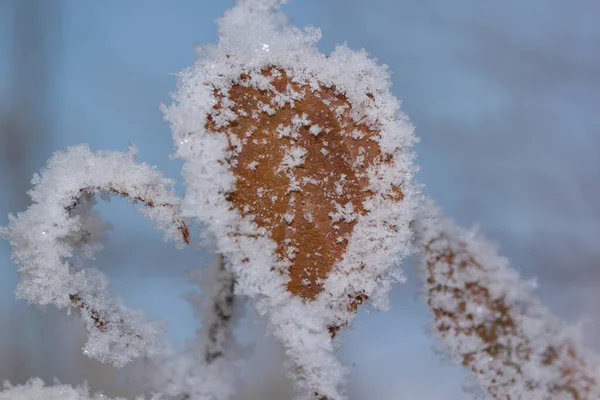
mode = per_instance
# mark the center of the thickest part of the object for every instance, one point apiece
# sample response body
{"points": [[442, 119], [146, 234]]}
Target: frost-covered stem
{"points": [[489, 320], [220, 317], [145, 199], [86, 195], [206, 369], [60, 232]]}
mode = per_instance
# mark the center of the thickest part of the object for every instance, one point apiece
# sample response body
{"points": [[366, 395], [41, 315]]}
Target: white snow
{"points": [[294, 157], [315, 129], [36, 389]]}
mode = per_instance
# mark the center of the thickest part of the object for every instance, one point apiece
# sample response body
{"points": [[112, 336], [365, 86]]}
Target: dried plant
{"points": [[490, 321], [299, 169]]}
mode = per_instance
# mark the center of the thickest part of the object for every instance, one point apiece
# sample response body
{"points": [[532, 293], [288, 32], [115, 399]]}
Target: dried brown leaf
{"points": [[332, 174]]}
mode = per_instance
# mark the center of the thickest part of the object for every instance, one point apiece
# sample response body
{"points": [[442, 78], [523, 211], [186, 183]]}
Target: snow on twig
{"points": [[205, 370], [490, 321], [59, 232], [217, 313]]}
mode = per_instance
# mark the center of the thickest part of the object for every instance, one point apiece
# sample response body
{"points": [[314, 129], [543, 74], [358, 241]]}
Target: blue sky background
{"points": [[504, 95]]}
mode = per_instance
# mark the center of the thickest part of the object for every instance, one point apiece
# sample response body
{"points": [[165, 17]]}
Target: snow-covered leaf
{"points": [[300, 167], [491, 322]]}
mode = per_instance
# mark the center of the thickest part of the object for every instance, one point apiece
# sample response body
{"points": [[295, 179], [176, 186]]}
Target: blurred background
{"points": [[505, 97]]}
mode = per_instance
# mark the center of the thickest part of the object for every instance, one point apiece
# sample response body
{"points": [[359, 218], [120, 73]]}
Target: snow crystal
{"points": [[300, 120], [345, 212], [289, 218], [294, 157], [356, 134], [315, 129], [285, 131]]}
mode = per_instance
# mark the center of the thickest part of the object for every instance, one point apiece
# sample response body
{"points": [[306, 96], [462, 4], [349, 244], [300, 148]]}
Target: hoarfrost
{"points": [[315, 129], [59, 232], [36, 389], [345, 212], [205, 370], [289, 218], [294, 157], [488, 319], [379, 239]]}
